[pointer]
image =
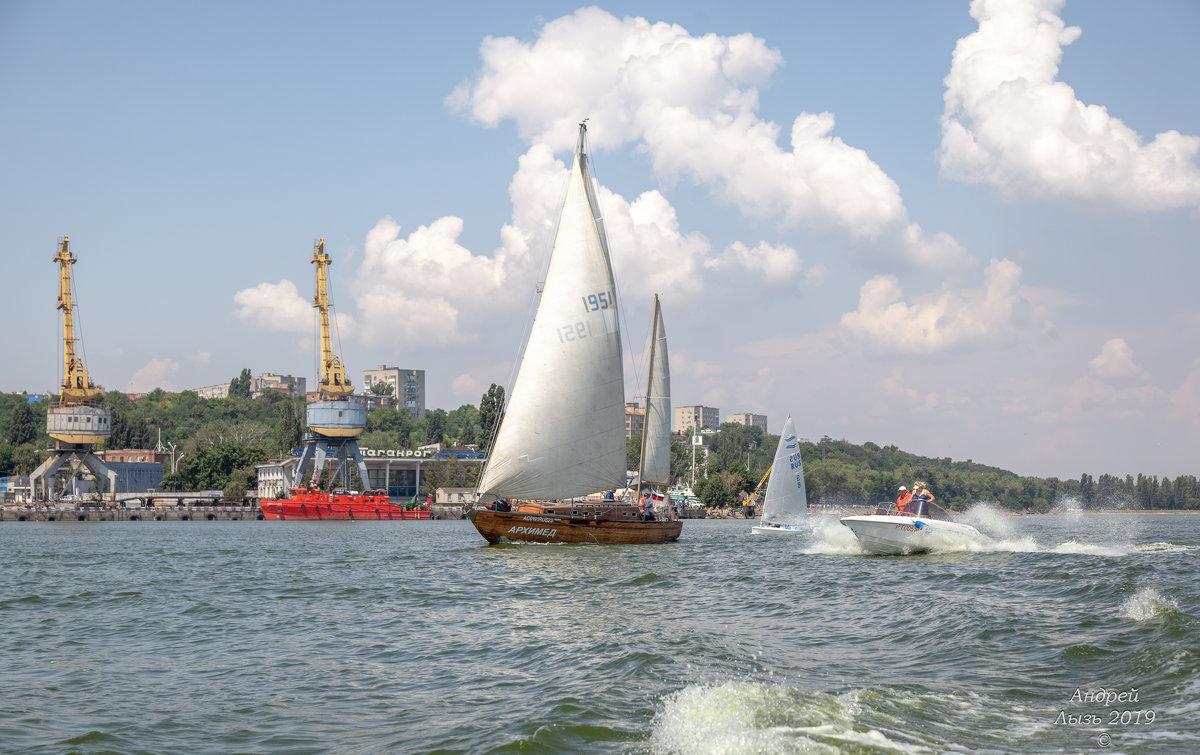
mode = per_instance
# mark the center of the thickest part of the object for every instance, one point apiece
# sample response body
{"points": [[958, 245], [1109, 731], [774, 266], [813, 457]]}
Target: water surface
{"points": [[309, 637]]}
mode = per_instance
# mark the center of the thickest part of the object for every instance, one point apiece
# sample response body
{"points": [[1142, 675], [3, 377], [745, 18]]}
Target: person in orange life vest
{"points": [[902, 500]]}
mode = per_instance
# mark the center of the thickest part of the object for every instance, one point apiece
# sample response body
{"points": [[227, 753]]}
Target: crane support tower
{"points": [[335, 419], [77, 423]]}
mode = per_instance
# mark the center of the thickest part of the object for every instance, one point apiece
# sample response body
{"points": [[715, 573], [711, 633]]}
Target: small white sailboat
{"points": [[785, 506], [924, 527], [562, 437]]}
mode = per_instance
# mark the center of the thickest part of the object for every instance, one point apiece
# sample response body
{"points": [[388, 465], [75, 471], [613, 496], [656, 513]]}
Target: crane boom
{"points": [[334, 383], [77, 387]]}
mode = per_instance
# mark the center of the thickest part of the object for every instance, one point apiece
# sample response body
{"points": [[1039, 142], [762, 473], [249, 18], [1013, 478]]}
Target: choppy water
{"points": [[299, 637]]}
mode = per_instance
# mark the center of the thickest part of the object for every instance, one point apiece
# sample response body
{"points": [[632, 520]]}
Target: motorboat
{"points": [[927, 527]]}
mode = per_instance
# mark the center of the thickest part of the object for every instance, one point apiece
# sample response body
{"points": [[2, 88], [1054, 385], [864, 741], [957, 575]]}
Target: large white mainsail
{"points": [[563, 432], [786, 501], [655, 464]]}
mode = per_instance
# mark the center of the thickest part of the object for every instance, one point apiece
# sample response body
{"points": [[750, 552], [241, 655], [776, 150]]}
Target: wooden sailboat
{"points": [[563, 432], [785, 507]]}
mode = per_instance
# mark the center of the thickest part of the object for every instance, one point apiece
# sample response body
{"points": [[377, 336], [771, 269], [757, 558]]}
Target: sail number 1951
{"points": [[591, 303], [594, 302]]}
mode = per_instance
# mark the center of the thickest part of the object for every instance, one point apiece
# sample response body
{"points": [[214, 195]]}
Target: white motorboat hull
{"points": [[787, 529], [900, 535]]}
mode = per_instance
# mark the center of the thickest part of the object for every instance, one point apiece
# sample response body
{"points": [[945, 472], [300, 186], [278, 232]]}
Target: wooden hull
{"points": [[525, 527]]}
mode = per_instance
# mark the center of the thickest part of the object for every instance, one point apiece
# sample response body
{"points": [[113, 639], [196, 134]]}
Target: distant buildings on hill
{"points": [[289, 384], [407, 388], [748, 419], [691, 418]]}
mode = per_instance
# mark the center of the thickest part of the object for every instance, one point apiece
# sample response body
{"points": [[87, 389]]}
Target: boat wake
{"points": [[1000, 535], [830, 538], [737, 716]]}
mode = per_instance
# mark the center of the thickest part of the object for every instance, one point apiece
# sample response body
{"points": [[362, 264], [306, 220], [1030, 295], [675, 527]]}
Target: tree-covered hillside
{"points": [[215, 443]]}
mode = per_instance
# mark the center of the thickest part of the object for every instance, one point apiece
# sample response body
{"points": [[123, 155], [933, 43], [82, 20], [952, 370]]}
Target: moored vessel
{"points": [[308, 503]]}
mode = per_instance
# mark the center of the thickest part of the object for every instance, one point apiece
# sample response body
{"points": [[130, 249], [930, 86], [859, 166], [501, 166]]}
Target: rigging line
{"points": [[337, 333], [79, 345]]}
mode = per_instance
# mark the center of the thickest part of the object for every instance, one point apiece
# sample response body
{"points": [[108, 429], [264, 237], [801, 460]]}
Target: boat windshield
{"points": [[923, 509]]}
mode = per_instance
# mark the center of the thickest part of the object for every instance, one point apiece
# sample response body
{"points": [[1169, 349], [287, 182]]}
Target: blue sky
{"points": [[966, 229]]}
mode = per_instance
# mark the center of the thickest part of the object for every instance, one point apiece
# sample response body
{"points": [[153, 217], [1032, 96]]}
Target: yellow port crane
{"points": [[77, 387], [334, 383], [335, 418], [78, 422]]}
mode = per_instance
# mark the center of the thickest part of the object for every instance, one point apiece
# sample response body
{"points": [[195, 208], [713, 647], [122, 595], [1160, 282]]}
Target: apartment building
{"points": [[696, 417]]}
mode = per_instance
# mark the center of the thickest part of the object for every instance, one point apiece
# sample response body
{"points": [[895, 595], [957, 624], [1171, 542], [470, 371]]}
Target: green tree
{"points": [[712, 492], [382, 389], [289, 430], [209, 467], [436, 422], [451, 473], [397, 423], [7, 453], [24, 427], [26, 458], [239, 387], [491, 411], [241, 480]]}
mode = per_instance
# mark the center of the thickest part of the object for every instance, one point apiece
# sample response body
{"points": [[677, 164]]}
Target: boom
{"points": [[334, 383], [77, 387]]}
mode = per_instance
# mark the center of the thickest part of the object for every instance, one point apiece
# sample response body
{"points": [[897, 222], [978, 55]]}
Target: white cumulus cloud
{"points": [[1115, 360], [1009, 123], [157, 373], [690, 103], [775, 263], [949, 319], [279, 307], [275, 306]]}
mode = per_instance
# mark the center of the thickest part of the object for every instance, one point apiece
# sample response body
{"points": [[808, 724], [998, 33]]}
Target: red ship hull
{"points": [[371, 505]]}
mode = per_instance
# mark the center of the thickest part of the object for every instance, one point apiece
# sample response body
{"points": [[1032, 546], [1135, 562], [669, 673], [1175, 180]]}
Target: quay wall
{"points": [[106, 514]]}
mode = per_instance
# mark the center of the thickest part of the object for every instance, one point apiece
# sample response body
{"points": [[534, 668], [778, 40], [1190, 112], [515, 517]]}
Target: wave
{"points": [[740, 716], [736, 717], [1148, 605]]}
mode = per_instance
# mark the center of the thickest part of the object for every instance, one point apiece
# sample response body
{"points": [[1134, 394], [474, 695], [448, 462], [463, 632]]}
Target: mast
{"points": [[333, 382], [77, 387]]}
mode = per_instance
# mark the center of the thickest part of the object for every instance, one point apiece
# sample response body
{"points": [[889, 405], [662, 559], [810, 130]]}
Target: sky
{"points": [[966, 229]]}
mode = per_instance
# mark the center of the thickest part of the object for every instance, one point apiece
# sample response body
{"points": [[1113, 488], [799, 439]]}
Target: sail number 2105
{"points": [[591, 303]]}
